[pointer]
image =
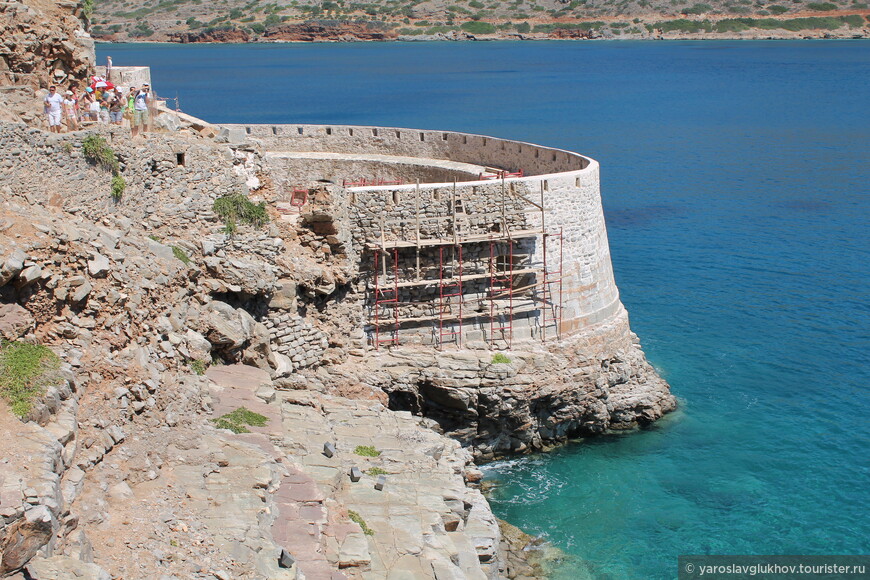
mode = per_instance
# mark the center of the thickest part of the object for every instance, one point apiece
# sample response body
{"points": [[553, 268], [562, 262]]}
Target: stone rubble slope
{"points": [[117, 470]]}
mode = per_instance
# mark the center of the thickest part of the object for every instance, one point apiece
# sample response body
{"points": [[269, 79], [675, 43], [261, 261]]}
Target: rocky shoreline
{"points": [[798, 23], [236, 37]]}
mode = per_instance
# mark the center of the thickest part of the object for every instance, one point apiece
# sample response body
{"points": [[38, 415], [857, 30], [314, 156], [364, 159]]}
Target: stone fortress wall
{"points": [[444, 203]]}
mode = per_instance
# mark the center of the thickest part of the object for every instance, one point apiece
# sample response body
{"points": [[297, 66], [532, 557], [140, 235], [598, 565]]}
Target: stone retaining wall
{"points": [[293, 337]]}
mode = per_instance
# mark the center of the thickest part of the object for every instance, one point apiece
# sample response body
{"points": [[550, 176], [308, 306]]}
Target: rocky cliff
{"points": [[213, 414], [132, 462]]}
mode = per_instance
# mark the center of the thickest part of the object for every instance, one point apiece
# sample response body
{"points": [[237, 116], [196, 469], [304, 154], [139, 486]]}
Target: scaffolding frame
{"points": [[502, 282], [450, 288], [386, 295], [498, 286]]}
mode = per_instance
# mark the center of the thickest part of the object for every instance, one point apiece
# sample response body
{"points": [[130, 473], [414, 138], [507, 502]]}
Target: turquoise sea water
{"points": [[736, 186]]}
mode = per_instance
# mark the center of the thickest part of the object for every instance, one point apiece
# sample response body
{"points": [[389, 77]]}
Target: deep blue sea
{"points": [[736, 186]]}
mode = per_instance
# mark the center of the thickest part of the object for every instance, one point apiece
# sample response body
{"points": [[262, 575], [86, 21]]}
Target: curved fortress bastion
{"points": [[467, 244], [417, 229]]}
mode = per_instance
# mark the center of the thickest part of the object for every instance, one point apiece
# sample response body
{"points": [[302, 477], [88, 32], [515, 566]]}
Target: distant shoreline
{"points": [[530, 38], [842, 25]]}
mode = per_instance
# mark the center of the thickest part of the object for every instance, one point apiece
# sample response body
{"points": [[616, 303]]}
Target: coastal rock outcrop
{"points": [[213, 35], [534, 400], [324, 30]]}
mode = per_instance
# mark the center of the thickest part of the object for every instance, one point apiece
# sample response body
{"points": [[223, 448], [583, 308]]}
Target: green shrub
{"points": [[376, 471], [441, 29], [477, 27], [523, 27], [366, 451], [119, 185], [777, 9], [237, 420], [683, 25], [236, 209], [25, 370], [697, 9], [181, 255], [822, 6], [198, 366], [355, 517], [499, 358], [96, 150], [142, 30], [731, 25]]}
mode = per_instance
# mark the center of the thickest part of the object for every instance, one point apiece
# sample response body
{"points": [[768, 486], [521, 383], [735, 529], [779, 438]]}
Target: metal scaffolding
{"points": [[501, 284], [452, 287], [386, 297]]}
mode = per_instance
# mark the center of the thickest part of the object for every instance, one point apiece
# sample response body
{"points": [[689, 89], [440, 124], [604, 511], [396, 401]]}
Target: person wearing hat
{"points": [[53, 103], [85, 103], [142, 103], [69, 110]]}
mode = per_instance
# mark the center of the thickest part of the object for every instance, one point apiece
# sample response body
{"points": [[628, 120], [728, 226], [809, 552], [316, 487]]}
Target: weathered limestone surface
{"points": [[426, 521]]}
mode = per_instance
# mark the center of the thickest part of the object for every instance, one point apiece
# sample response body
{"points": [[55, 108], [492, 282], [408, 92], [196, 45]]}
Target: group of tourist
{"points": [[100, 103]]}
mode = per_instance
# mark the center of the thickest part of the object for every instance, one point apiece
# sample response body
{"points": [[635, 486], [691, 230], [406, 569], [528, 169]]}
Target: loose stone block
{"points": [[285, 560]]}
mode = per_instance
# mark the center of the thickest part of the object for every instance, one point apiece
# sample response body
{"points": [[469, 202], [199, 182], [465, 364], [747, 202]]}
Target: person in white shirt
{"points": [[53, 109], [94, 110], [69, 111], [142, 104]]}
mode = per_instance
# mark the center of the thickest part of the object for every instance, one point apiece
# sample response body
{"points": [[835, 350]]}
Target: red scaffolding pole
{"points": [[386, 296], [552, 277], [449, 288], [498, 286]]}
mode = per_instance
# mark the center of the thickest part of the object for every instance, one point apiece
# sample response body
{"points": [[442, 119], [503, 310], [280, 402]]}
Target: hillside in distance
{"points": [[344, 20]]}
